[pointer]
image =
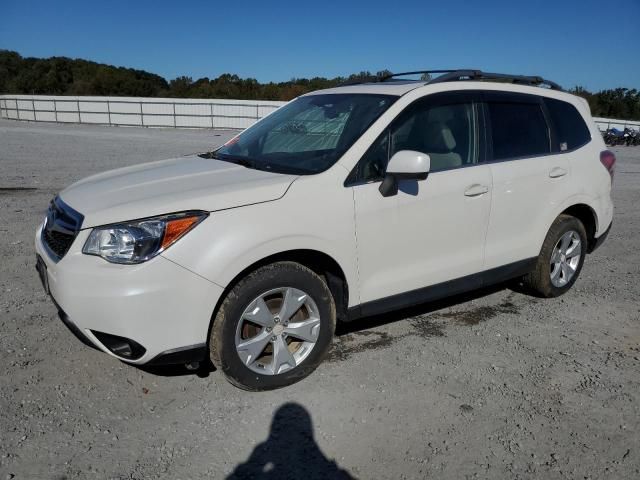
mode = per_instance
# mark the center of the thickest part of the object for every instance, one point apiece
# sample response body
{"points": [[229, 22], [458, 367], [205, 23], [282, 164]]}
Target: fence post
{"points": [[141, 115], [18, 109], [33, 108], [211, 109], [55, 110], [79, 114], [257, 112], [174, 114], [109, 111]]}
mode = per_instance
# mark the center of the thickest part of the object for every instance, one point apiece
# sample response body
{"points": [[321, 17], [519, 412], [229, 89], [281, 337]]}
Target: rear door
{"points": [[529, 177]]}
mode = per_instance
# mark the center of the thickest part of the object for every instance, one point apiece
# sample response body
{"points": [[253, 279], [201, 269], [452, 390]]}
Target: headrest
{"points": [[439, 137]]}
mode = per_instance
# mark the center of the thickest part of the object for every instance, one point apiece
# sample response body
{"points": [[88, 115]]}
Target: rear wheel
{"points": [[561, 258], [274, 327]]}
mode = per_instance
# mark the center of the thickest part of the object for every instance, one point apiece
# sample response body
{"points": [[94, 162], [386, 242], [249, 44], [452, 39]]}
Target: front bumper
{"points": [[158, 305]]}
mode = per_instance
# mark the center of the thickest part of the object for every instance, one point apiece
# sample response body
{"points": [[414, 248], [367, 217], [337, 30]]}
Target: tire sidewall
{"points": [[281, 275]]}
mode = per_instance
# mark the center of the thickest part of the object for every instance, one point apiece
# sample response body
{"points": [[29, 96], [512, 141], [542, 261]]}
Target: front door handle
{"points": [[557, 172], [476, 190]]}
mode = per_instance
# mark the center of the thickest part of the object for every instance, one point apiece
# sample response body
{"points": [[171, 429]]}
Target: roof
{"points": [[396, 88]]}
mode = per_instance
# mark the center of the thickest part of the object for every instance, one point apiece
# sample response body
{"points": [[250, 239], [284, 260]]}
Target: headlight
{"points": [[140, 240]]}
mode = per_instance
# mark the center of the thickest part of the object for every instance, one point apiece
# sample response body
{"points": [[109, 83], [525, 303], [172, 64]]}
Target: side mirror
{"points": [[404, 165]]}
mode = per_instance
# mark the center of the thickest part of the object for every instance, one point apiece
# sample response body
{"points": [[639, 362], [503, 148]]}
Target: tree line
{"points": [[66, 76]]}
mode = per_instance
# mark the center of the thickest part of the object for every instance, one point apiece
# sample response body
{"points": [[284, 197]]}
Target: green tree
{"points": [[66, 76]]}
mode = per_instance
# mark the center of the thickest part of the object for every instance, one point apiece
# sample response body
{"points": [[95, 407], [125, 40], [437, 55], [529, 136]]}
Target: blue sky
{"points": [[578, 42]]}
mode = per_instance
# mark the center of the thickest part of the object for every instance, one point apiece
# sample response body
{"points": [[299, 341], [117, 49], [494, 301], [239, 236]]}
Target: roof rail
{"points": [[460, 75], [531, 80], [389, 77]]}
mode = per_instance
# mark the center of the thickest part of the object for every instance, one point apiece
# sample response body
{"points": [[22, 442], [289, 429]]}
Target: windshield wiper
{"points": [[243, 161], [256, 164]]}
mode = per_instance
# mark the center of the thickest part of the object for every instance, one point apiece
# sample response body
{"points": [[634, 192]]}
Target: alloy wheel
{"points": [[277, 331], [565, 258]]}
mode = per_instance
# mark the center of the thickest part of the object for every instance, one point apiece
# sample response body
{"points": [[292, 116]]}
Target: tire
{"points": [[539, 280], [236, 341]]}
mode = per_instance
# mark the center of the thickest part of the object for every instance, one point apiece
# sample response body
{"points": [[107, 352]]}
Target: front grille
{"points": [[59, 243], [60, 228]]}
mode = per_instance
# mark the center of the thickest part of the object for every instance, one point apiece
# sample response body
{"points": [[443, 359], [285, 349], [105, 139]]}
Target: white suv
{"points": [[344, 203]]}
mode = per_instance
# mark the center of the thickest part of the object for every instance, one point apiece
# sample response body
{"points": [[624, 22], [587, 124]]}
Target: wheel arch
{"points": [[589, 219], [319, 262]]}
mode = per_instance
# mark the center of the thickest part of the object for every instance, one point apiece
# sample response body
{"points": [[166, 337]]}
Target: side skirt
{"points": [[442, 290]]}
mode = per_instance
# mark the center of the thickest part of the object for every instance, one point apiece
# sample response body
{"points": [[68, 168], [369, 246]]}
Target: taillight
{"points": [[608, 159]]}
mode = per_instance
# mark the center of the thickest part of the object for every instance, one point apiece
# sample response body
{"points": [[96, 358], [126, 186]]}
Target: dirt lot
{"points": [[491, 385]]}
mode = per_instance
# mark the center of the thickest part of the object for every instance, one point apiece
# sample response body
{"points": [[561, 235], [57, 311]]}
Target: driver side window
{"points": [[445, 132]]}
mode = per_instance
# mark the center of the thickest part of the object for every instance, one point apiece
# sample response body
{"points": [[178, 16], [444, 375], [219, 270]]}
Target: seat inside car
{"points": [[438, 141]]}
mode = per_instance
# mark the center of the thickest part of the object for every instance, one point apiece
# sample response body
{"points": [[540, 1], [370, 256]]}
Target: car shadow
{"points": [[179, 370], [290, 451]]}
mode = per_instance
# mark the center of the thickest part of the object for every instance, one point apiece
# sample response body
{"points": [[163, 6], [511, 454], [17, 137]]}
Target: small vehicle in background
{"points": [[613, 137], [632, 137], [627, 137]]}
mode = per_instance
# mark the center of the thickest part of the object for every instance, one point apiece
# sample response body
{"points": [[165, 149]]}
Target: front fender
{"points": [[230, 241]]}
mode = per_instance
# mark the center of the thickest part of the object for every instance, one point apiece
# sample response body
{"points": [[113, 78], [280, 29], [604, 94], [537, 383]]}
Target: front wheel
{"points": [[274, 327], [561, 258]]}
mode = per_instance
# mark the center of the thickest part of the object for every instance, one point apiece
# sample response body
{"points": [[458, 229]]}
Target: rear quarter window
{"points": [[571, 130]]}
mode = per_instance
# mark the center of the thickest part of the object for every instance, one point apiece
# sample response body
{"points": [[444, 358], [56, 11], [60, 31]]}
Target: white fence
{"points": [[133, 111], [162, 112]]}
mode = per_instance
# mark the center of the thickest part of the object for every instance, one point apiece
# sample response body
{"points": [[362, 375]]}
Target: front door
{"points": [[433, 230]]}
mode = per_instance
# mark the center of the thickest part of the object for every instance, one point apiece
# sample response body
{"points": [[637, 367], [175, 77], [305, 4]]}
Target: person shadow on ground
{"points": [[290, 451]]}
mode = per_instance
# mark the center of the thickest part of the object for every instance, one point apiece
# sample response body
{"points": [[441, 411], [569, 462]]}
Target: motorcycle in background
{"points": [[613, 137], [628, 137]]}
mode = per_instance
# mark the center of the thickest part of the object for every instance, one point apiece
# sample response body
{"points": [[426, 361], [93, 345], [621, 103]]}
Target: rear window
{"points": [[571, 131], [518, 130]]}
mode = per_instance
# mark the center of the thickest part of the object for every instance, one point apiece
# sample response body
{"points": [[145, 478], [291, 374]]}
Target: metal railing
{"points": [[145, 112], [167, 112], [607, 123]]}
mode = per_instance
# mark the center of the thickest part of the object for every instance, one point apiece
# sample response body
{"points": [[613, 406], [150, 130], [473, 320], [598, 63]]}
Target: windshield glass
{"points": [[305, 136]]}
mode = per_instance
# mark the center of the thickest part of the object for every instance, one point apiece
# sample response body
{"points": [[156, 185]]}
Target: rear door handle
{"points": [[557, 172], [476, 190]]}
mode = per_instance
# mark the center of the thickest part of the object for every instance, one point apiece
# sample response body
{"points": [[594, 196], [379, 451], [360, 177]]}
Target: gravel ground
{"points": [[495, 384]]}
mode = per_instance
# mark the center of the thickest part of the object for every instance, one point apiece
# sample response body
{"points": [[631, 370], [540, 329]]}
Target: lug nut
{"points": [[276, 319], [273, 338], [269, 329]]}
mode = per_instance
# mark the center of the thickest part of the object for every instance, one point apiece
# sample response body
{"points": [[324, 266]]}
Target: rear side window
{"points": [[518, 130], [571, 131]]}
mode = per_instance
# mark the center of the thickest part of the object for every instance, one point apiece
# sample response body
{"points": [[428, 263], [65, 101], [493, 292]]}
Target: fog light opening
{"points": [[121, 347]]}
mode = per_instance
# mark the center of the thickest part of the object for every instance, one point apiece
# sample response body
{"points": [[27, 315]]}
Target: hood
{"points": [[168, 186]]}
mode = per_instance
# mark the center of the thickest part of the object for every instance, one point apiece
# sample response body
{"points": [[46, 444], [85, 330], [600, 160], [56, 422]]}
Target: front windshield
{"points": [[305, 136]]}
